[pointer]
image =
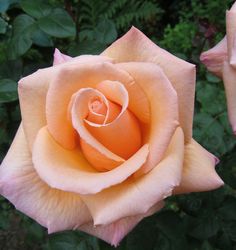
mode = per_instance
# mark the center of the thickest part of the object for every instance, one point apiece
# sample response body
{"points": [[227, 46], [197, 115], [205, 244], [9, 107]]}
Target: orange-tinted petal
{"points": [[21, 185], [163, 107], [79, 112], [199, 170], [33, 90], [116, 231], [68, 170], [69, 80], [137, 196], [134, 46], [121, 136]]}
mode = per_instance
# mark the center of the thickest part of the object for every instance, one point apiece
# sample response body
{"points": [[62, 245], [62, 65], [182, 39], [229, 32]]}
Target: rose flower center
{"points": [[120, 134]]}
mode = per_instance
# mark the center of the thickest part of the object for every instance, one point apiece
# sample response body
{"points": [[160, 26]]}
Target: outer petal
{"points": [[230, 31], [69, 171], [233, 8], [19, 183], [137, 196], [114, 232], [60, 58], [32, 94], [163, 107], [229, 77], [198, 171], [215, 57], [134, 46]]}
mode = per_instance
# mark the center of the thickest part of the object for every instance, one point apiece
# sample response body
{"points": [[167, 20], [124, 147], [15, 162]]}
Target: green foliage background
{"points": [[29, 32]]}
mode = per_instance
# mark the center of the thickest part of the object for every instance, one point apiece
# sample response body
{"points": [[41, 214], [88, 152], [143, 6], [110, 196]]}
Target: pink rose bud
{"points": [[221, 61]]}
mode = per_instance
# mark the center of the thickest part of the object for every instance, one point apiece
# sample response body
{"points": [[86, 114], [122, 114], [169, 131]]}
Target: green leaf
{"points": [[22, 24], [40, 38], [211, 78], [212, 99], [148, 231], [19, 45], [205, 226], [206, 246], [58, 24], [3, 26], [8, 90], [4, 5], [173, 227], [7, 72], [105, 31], [227, 168], [73, 241], [86, 47], [37, 8], [230, 230], [4, 221], [21, 40], [209, 132], [228, 210]]}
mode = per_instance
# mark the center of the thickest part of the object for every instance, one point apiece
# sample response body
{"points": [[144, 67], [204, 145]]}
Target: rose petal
{"points": [[198, 171], [136, 196], [230, 31], [229, 77], [135, 46], [121, 137], [19, 183], [233, 53], [233, 8], [69, 171], [163, 107], [114, 232], [215, 57], [33, 90], [79, 113], [66, 82], [60, 58]]}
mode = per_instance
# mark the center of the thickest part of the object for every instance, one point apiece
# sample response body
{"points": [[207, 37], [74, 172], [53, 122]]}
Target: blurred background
{"points": [[29, 32]]}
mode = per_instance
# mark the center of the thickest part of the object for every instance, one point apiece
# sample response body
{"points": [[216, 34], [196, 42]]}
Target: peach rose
{"points": [[104, 139], [221, 60]]}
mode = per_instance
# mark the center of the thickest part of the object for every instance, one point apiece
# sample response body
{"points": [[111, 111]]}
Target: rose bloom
{"points": [[104, 139], [221, 60]]}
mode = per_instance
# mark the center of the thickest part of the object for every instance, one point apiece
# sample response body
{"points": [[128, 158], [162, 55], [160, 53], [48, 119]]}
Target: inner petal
{"points": [[105, 126], [97, 106], [97, 110], [121, 135]]}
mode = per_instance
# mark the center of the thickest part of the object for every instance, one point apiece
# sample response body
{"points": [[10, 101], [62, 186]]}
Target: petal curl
{"points": [[163, 107], [214, 58], [137, 195], [68, 170], [69, 80], [59, 57], [122, 136], [21, 185], [134, 46], [33, 91], [79, 112], [115, 232], [199, 170], [229, 77]]}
